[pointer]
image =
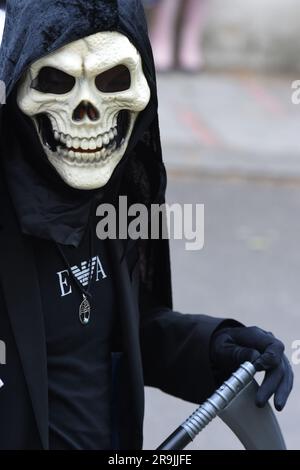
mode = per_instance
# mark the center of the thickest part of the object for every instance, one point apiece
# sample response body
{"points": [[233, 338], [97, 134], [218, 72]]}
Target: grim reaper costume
{"points": [[87, 323]]}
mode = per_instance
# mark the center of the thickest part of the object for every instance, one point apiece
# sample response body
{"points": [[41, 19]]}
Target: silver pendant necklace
{"points": [[85, 307], [85, 311]]}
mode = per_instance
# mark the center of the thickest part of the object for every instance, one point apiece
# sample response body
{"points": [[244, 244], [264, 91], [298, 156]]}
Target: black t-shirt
{"points": [[79, 357]]}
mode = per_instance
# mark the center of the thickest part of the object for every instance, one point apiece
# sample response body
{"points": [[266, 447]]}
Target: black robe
{"points": [[159, 347]]}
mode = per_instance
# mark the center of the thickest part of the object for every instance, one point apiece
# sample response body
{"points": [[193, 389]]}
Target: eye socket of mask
{"points": [[51, 80], [114, 80], [55, 81]]}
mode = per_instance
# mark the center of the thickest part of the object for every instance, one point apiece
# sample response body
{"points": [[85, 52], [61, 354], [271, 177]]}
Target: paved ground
{"points": [[231, 142], [230, 124]]}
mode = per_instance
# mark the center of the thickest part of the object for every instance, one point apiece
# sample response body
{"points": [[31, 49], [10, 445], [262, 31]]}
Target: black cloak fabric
{"points": [[45, 206]]}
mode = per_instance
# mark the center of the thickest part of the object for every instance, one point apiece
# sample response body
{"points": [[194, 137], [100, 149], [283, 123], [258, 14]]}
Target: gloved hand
{"points": [[230, 347]]}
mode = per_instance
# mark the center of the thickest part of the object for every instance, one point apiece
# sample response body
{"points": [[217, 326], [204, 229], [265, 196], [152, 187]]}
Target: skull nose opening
{"points": [[85, 108]]}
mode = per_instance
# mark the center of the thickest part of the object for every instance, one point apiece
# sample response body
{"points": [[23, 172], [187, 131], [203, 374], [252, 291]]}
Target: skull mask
{"points": [[84, 100]]}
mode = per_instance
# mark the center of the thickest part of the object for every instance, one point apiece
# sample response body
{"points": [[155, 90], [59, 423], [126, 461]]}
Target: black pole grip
{"points": [[177, 441]]}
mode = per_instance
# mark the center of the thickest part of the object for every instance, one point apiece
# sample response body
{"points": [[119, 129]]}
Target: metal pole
{"points": [[210, 409]]}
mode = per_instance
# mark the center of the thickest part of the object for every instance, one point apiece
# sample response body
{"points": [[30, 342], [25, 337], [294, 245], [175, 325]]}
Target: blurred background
{"points": [[230, 137]]}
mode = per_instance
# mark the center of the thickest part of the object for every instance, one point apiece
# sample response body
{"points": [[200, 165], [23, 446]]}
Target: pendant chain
{"points": [[85, 306]]}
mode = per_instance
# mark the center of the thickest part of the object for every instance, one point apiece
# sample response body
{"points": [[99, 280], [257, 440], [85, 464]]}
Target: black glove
{"points": [[230, 347]]}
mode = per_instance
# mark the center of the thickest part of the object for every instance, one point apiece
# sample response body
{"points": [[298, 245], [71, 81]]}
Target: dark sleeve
{"points": [[175, 352]]}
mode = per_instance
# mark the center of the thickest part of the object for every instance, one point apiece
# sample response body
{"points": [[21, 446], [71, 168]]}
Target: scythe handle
{"points": [[210, 409]]}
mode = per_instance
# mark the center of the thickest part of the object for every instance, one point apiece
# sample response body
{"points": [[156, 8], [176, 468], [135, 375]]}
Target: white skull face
{"points": [[84, 100]]}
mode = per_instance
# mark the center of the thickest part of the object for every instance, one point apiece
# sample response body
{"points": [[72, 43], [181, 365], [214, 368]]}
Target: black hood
{"points": [[46, 207]]}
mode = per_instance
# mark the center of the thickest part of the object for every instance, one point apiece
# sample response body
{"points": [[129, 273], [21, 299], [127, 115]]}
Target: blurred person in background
{"points": [[165, 15]]}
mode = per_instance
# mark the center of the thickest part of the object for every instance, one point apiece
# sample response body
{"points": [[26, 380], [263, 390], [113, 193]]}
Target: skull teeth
{"points": [[92, 145], [82, 159]]}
